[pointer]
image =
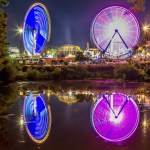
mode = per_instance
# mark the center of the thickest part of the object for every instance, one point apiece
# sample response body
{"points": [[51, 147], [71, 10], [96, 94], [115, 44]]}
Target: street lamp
{"points": [[146, 35], [20, 30], [146, 28]]}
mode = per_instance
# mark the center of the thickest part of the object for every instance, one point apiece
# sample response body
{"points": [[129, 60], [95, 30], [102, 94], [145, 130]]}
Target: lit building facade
{"points": [[148, 49], [14, 52], [93, 53], [68, 50]]}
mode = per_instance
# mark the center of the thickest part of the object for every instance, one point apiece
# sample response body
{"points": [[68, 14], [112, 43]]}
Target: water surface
{"points": [[70, 105]]}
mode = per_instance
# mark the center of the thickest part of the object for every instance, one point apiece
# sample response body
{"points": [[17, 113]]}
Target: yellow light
{"points": [[20, 30], [21, 121], [70, 93], [144, 123], [145, 27]]}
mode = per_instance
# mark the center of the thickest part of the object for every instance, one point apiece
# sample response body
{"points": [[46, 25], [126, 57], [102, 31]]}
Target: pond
{"points": [[65, 118]]}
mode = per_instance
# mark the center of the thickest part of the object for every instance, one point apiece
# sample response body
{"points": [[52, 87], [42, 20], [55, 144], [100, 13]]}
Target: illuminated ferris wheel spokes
{"points": [[115, 31], [115, 117], [110, 101], [111, 42]]}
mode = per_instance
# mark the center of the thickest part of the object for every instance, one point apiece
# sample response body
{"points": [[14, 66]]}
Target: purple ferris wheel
{"points": [[115, 117], [115, 31]]}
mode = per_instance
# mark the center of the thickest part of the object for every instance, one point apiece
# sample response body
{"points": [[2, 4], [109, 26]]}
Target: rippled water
{"points": [[68, 125]]}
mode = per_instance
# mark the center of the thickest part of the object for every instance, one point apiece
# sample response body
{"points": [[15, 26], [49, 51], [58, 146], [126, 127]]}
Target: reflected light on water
{"points": [[112, 114], [21, 125], [70, 93], [37, 118], [21, 121], [145, 125], [116, 120]]}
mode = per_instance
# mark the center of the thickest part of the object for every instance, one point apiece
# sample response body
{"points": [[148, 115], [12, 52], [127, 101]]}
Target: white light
{"points": [[116, 120], [144, 123], [20, 30], [119, 25], [145, 27], [21, 121], [70, 93]]}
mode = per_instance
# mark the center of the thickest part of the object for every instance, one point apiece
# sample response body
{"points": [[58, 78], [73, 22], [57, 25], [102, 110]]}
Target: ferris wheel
{"points": [[36, 29], [37, 118], [115, 31], [115, 117]]}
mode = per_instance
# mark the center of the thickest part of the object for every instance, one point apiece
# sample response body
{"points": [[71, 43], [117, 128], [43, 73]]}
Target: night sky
{"points": [[70, 19]]}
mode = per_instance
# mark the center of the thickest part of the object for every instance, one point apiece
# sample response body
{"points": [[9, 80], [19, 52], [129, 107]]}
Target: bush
{"points": [[56, 73], [8, 73], [33, 74], [21, 76], [129, 72], [73, 72]]}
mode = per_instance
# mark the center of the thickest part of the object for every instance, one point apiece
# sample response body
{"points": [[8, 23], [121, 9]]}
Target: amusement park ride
{"points": [[115, 31], [115, 117], [36, 29], [37, 118]]}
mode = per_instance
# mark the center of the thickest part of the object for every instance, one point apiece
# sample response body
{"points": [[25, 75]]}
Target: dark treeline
{"points": [[125, 72]]}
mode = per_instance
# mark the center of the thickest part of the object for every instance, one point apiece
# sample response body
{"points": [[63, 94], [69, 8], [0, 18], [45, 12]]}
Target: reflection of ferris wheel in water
{"points": [[115, 31], [37, 118], [115, 117], [36, 29]]}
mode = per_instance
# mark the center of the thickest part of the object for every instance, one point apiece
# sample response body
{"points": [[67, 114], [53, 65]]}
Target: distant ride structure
{"points": [[36, 29], [115, 117], [115, 31]]}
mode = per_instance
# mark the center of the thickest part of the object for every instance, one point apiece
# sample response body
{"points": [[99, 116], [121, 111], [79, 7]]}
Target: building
{"points": [[14, 52], [148, 49], [50, 52], [68, 50], [93, 53]]}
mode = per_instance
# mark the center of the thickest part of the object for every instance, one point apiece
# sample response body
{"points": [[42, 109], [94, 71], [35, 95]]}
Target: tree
{"points": [[4, 61], [3, 30], [4, 2], [137, 5], [50, 51], [80, 57], [3, 34]]}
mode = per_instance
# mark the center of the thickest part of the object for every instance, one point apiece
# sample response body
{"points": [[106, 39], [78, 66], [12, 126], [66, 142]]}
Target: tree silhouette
{"points": [[3, 30], [137, 5]]}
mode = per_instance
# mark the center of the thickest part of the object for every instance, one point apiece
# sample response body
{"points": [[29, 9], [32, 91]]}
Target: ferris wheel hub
{"points": [[116, 30]]}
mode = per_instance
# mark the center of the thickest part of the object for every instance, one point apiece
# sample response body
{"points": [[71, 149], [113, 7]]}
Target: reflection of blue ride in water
{"points": [[37, 118]]}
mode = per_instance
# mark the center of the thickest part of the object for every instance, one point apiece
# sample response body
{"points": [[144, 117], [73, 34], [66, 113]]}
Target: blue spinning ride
{"points": [[36, 29]]}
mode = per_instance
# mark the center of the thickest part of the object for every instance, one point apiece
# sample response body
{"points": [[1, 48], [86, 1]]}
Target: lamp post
{"points": [[145, 28], [20, 32], [146, 32]]}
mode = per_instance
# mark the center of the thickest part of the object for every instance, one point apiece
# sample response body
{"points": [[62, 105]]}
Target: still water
{"points": [[65, 122]]}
